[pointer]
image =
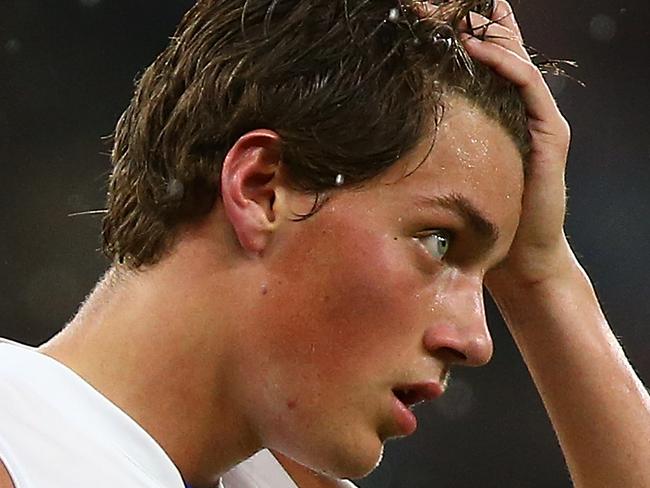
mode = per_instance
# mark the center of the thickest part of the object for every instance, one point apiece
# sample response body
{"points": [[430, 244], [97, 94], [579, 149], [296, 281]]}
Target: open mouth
{"points": [[408, 397], [411, 395]]}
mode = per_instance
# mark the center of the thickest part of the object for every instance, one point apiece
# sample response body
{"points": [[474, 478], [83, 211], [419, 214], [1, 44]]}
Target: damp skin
{"points": [[355, 304], [473, 148]]}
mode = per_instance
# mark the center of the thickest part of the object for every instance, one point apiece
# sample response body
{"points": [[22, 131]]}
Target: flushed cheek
{"points": [[336, 328], [353, 310], [330, 374]]}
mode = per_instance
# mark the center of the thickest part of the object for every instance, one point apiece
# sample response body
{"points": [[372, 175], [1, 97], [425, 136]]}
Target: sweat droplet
{"points": [[340, 179], [393, 15], [440, 40], [175, 190]]}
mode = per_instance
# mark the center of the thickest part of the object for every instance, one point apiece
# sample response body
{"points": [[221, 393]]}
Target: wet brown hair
{"points": [[349, 85]]}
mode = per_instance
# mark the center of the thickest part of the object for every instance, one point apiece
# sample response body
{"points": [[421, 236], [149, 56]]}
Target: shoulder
{"points": [[5, 479]]}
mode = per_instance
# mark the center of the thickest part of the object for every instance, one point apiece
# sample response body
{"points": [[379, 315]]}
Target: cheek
{"points": [[340, 320], [350, 301]]}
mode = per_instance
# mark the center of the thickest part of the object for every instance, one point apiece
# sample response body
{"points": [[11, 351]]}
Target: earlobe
{"points": [[250, 185]]}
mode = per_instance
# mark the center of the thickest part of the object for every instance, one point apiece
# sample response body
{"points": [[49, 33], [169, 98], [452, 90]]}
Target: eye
{"points": [[437, 243]]}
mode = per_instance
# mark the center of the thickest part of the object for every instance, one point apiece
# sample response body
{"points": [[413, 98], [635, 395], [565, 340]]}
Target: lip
{"points": [[406, 421], [416, 393]]}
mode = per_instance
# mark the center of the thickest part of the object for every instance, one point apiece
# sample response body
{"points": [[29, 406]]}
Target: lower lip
{"points": [[406, 421]]}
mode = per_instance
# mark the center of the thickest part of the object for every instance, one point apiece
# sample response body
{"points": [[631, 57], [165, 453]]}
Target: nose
{"points": [[459, 334]]}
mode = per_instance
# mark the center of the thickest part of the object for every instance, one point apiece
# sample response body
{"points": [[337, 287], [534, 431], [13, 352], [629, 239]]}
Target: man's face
{"points": [[381, 288]]}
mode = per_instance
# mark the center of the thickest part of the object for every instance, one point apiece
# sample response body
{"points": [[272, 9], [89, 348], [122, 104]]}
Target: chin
{"points": [[356, 459], [342, 450], [363, 470]]}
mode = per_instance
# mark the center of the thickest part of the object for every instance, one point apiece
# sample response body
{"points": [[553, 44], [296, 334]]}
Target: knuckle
{"points": [[502, 9]]}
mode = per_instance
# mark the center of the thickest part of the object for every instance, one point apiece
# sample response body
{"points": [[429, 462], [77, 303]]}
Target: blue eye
{"points": [[437, 242]]}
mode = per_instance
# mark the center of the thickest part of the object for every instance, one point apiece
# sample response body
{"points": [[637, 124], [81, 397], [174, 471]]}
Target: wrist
{"points": [[521, 300], [535, 270]]}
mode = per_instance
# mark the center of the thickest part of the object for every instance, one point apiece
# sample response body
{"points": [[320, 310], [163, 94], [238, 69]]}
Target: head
{"points": [[366, 175], [347, 90]]}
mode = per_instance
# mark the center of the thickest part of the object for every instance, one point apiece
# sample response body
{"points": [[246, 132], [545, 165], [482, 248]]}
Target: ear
{"points": [[250, 187]]}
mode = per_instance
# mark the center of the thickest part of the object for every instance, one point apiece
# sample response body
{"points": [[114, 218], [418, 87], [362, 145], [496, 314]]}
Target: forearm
{"points": [[598, 406]]}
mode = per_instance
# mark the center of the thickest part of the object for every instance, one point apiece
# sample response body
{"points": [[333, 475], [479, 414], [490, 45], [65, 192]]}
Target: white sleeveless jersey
{"points": [[57, 431]]}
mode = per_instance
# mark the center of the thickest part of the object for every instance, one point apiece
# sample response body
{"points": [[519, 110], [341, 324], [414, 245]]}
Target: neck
{"points": [[137, 341]]}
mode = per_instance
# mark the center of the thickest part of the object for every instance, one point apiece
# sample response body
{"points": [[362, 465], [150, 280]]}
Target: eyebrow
{"points": [[466, 210]]}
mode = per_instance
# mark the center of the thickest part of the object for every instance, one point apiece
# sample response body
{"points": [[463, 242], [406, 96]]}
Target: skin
{"points": [[302, 476], [603, 419], [357, 304], [5, 480], [260, 332], [295, 337]]}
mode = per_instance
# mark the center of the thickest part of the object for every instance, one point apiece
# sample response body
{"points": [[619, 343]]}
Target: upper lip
{"points": [[413, 393]]}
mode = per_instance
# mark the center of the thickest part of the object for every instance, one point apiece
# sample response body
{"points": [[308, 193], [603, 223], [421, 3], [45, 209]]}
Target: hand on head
{"points": [[539, 250]]}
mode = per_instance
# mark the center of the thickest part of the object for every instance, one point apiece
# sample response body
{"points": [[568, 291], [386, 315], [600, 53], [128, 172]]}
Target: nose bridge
{"points": [[460, 324]]}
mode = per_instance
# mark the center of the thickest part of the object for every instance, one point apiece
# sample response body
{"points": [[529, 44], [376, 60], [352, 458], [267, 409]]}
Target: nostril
{"points": [[451, 355], [469, 345]]}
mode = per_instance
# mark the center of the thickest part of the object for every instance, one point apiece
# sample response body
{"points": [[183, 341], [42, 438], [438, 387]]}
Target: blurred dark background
{"points": [[66, 73]]}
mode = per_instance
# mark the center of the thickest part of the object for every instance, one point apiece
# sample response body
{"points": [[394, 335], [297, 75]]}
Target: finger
{"points": [[491, 31], [505, 16], [425, 9], [524, 74]]}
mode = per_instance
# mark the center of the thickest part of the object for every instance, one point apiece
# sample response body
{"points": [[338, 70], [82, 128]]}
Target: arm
{"points": [[597, 404]]}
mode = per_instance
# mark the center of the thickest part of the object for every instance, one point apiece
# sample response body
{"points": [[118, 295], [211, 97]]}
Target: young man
{"points": [[307, 199]]}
